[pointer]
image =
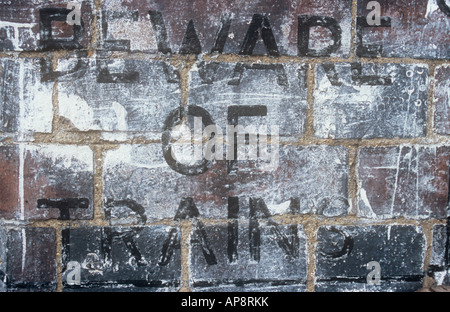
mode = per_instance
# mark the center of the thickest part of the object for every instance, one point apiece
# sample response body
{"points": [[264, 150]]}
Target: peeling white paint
{"points": [[71, 157], [432, 6], [24, 248], [367, 209], [280, 209], [77, 111]]}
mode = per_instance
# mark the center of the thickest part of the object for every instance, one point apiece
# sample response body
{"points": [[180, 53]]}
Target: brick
{"points": [[3, 255], [121, 258], [47, 182], [403, 181], [254, 287], [26, 102], [9, 182], [28, 259], [343, 252], [41, 25], [442, 100], [307, 180], [370, 100], [281, 88], [266, 255], [416, 29], [439, 267], [234, 26], [128, 97]]}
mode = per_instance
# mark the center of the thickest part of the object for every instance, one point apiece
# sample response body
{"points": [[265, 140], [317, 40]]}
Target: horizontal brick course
{"points": [[140, 174], [238, 27]]}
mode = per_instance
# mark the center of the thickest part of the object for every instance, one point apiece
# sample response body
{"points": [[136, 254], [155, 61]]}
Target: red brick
{"points": [[19, 21], [39, 178], [9, 181], [58, 173], [403, 181]]}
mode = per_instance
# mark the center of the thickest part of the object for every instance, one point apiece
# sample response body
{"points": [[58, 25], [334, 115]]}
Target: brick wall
{"points": [[98, 193]]}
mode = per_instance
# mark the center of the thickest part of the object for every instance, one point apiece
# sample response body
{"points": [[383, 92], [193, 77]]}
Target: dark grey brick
{"points": [[28, 259], [439, 267], [121, 98], [343, 252], [370, 100], [253, 287], [3, 255], [280, 88], [442, 99], [416, 29], [310, 179], [257, 254], [122, 258]]}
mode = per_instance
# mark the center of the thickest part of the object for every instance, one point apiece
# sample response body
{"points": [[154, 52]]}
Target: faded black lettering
{"points": [[222, 33], [259, 25], [290, 243], [282, 79], [305, 22], [159, 28], [64, 205], [444, 7], [116, 45], [234, 112], [191, 43], [105, 76], [47, 42], [372, 80], [76, 72], [172, 119], [373, 49], [188, 210], [233, 227]]}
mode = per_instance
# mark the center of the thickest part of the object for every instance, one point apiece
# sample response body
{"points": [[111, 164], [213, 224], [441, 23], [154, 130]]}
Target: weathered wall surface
{"points": [[100, 105]]}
